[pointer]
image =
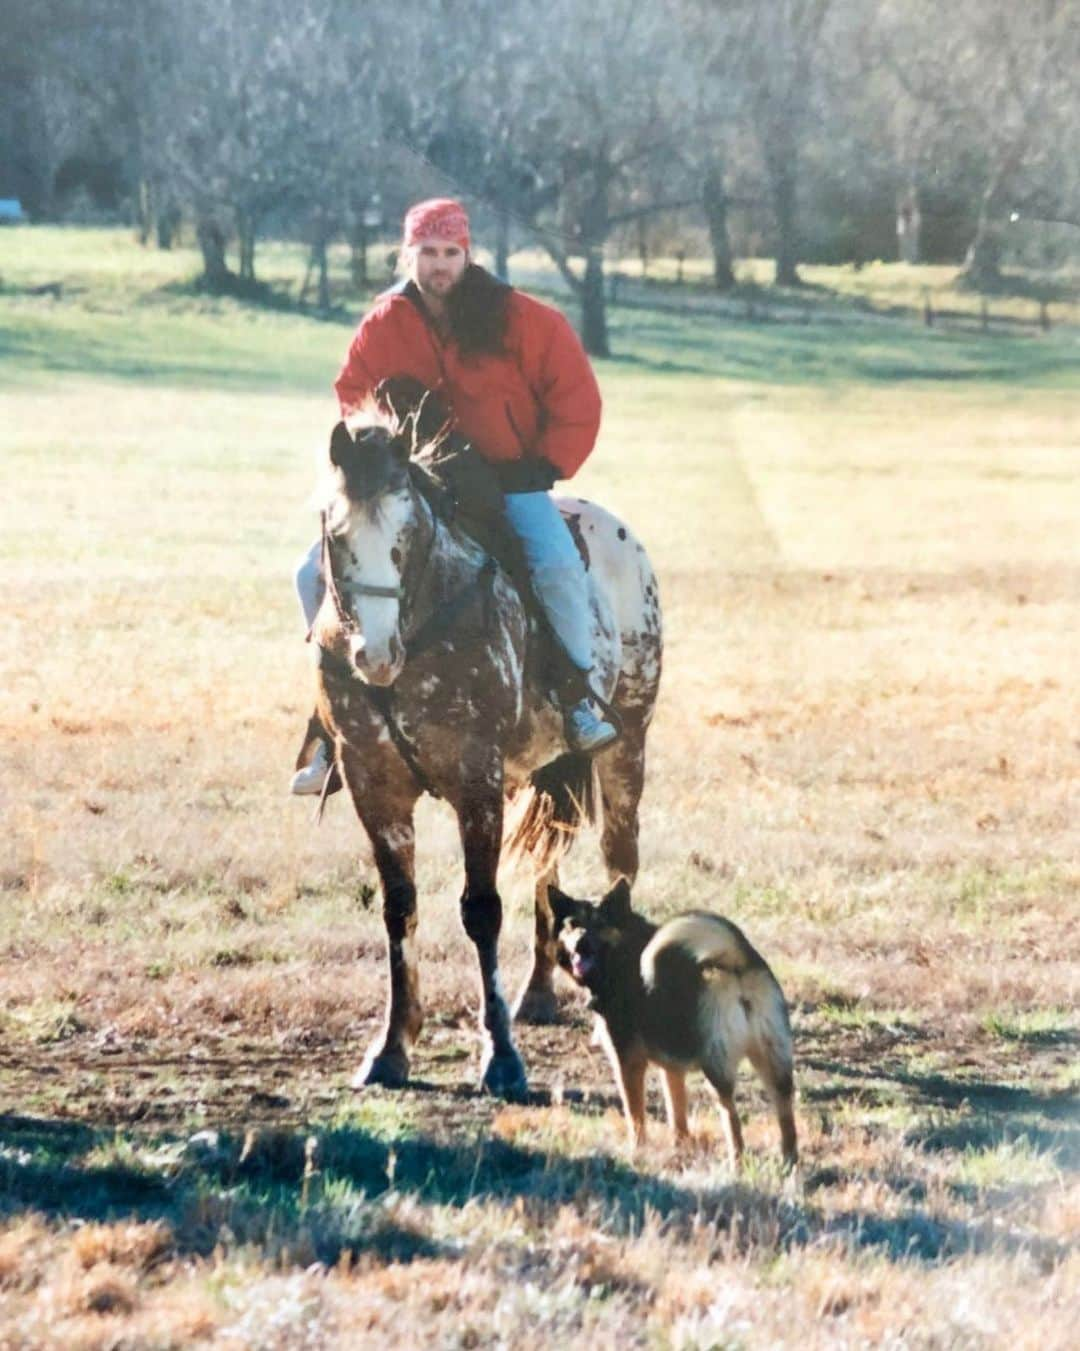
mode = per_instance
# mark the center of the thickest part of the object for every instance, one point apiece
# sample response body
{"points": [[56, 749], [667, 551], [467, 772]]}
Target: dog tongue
{"points": [[580, 966]]}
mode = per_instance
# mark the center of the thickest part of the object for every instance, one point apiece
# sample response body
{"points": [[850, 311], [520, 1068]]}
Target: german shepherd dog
{"points": [[692, 993]]}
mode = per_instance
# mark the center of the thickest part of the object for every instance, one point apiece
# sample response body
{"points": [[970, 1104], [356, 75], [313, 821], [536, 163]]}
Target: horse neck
{"points": [[452, 561]]}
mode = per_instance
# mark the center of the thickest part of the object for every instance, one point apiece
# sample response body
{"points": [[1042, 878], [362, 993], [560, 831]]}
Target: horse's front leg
{"points": [[480, 816], [388, 819]]}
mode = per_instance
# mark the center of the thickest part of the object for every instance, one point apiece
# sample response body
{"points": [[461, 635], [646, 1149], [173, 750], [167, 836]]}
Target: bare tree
{"points": [[226, 116], [777, 45], [995, 86], [608, 141]]}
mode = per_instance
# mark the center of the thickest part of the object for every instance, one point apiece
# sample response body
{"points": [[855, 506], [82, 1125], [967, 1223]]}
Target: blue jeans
{"points": [[558, 574]]}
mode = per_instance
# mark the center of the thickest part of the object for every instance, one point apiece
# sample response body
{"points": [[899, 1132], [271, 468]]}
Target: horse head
{"points": [[374, 528]]}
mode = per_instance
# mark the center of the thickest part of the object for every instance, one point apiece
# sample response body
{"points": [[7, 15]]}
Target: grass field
{"points": [[867, 753]]}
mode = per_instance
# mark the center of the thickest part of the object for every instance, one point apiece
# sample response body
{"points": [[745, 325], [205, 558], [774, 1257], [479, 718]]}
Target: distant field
{"points": [[867, 753]]}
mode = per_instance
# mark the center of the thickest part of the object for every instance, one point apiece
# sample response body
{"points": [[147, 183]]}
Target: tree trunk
{"points": [[595, 228], [216, 274], [324, 274], [146, 210], [166, 225], [594, 333], [982, 262], [784, 205], [502, 243], [246, 230], [643, 247], [358, 247], [714, 202], [909, 225]]}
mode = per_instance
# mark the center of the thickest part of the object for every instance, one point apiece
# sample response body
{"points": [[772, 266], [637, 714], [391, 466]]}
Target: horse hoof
{"points": [[536, 1006], [504, 1077], [384, 1069]]}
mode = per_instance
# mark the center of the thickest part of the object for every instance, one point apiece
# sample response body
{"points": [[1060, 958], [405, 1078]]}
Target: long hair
{"points": [[478, 310]]}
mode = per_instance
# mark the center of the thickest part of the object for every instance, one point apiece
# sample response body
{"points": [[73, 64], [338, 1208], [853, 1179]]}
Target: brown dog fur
{"points": [[690, 994]]}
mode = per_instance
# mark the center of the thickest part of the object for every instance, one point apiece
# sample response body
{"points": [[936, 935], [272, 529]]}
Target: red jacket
{"points": [[540, 398]]}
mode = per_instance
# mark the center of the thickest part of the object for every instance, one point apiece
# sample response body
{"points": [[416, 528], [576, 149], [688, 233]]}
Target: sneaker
{"points": [[312, 777], [585, 731]]}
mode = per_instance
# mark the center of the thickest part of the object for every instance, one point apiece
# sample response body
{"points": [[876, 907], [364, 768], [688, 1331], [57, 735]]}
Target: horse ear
{"points": [[617, 902], [341, 443]]}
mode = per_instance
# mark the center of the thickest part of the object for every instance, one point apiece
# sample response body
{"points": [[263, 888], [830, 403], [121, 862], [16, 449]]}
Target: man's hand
{"points": [[531, 474]]}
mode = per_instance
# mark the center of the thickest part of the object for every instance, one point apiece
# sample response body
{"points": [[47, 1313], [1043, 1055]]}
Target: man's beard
{"points": [[438, 289]]}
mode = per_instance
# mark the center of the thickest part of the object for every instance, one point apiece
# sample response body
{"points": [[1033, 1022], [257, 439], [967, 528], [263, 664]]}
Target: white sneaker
{"points": [[312, 778]]}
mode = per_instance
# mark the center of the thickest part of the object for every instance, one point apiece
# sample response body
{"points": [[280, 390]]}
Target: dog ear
{"points": [[341, 445], [562, 906], [616, 904]]}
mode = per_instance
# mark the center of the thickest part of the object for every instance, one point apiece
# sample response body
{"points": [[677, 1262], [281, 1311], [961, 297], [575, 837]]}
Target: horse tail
{"points": [[546, 816]]}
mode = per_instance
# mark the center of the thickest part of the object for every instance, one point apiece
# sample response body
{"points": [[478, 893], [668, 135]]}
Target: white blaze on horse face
{"points": [[375, 541]]}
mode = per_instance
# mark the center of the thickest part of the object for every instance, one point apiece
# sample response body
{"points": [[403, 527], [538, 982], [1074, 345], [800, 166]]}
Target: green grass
{"points": [[1038, 1027], [128, 314]]}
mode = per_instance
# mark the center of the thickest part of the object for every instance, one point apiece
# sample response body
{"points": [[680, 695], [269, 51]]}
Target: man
{"points": [[519, 387]]}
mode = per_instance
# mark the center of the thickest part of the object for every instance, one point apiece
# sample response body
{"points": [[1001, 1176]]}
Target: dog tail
{"points": [[709, 942], [547, 815]]}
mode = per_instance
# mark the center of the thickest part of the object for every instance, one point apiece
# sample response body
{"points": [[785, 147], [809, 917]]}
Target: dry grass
{"points": [[866, 752]]}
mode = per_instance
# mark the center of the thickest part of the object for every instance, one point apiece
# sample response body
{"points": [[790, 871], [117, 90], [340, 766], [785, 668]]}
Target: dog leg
{"points": [[675, 1100], [729, 1116], [771, 1057], [630, 1067], [789, 1144]]}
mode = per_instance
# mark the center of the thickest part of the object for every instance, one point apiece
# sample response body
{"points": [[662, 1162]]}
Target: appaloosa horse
{"points": [[429, 681]]}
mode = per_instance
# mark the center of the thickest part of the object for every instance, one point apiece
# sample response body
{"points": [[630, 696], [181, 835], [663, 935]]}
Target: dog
{"points": [[689, 994]]}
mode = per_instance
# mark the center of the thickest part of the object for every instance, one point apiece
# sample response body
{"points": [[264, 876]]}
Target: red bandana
{"points": [[440, 218]]}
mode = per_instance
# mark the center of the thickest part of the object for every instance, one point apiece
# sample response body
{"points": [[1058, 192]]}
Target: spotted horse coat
{"points": [[428, 681]]}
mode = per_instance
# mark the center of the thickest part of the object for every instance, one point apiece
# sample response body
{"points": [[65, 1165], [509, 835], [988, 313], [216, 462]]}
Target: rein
{"points": [[438, 623]]}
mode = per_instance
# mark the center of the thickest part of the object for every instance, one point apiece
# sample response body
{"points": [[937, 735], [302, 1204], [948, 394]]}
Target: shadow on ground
{"points": [[315, 1192]]}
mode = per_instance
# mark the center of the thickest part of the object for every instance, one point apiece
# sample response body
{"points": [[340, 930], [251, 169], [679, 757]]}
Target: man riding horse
{"points": [[518, 386]]}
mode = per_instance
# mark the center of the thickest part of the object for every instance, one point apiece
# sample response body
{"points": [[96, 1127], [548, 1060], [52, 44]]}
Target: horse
{"points": [[429, 681]]}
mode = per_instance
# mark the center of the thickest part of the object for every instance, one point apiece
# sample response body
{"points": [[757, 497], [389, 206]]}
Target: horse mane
{"points": [[330, 478], [458, 485]]}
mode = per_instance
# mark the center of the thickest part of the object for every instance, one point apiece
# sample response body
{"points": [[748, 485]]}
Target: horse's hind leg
{"points": [[389, 824], [536, 1003], [480, 819], [621, 771]]}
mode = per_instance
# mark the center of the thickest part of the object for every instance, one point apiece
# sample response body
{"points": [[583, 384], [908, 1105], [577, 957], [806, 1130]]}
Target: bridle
{"points": [[345, 618], [438, 623]]}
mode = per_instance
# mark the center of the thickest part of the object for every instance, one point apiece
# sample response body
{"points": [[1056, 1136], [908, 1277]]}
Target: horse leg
{"points": [[389, 824], [621, 772], [480, 821], [536, 1003]]}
